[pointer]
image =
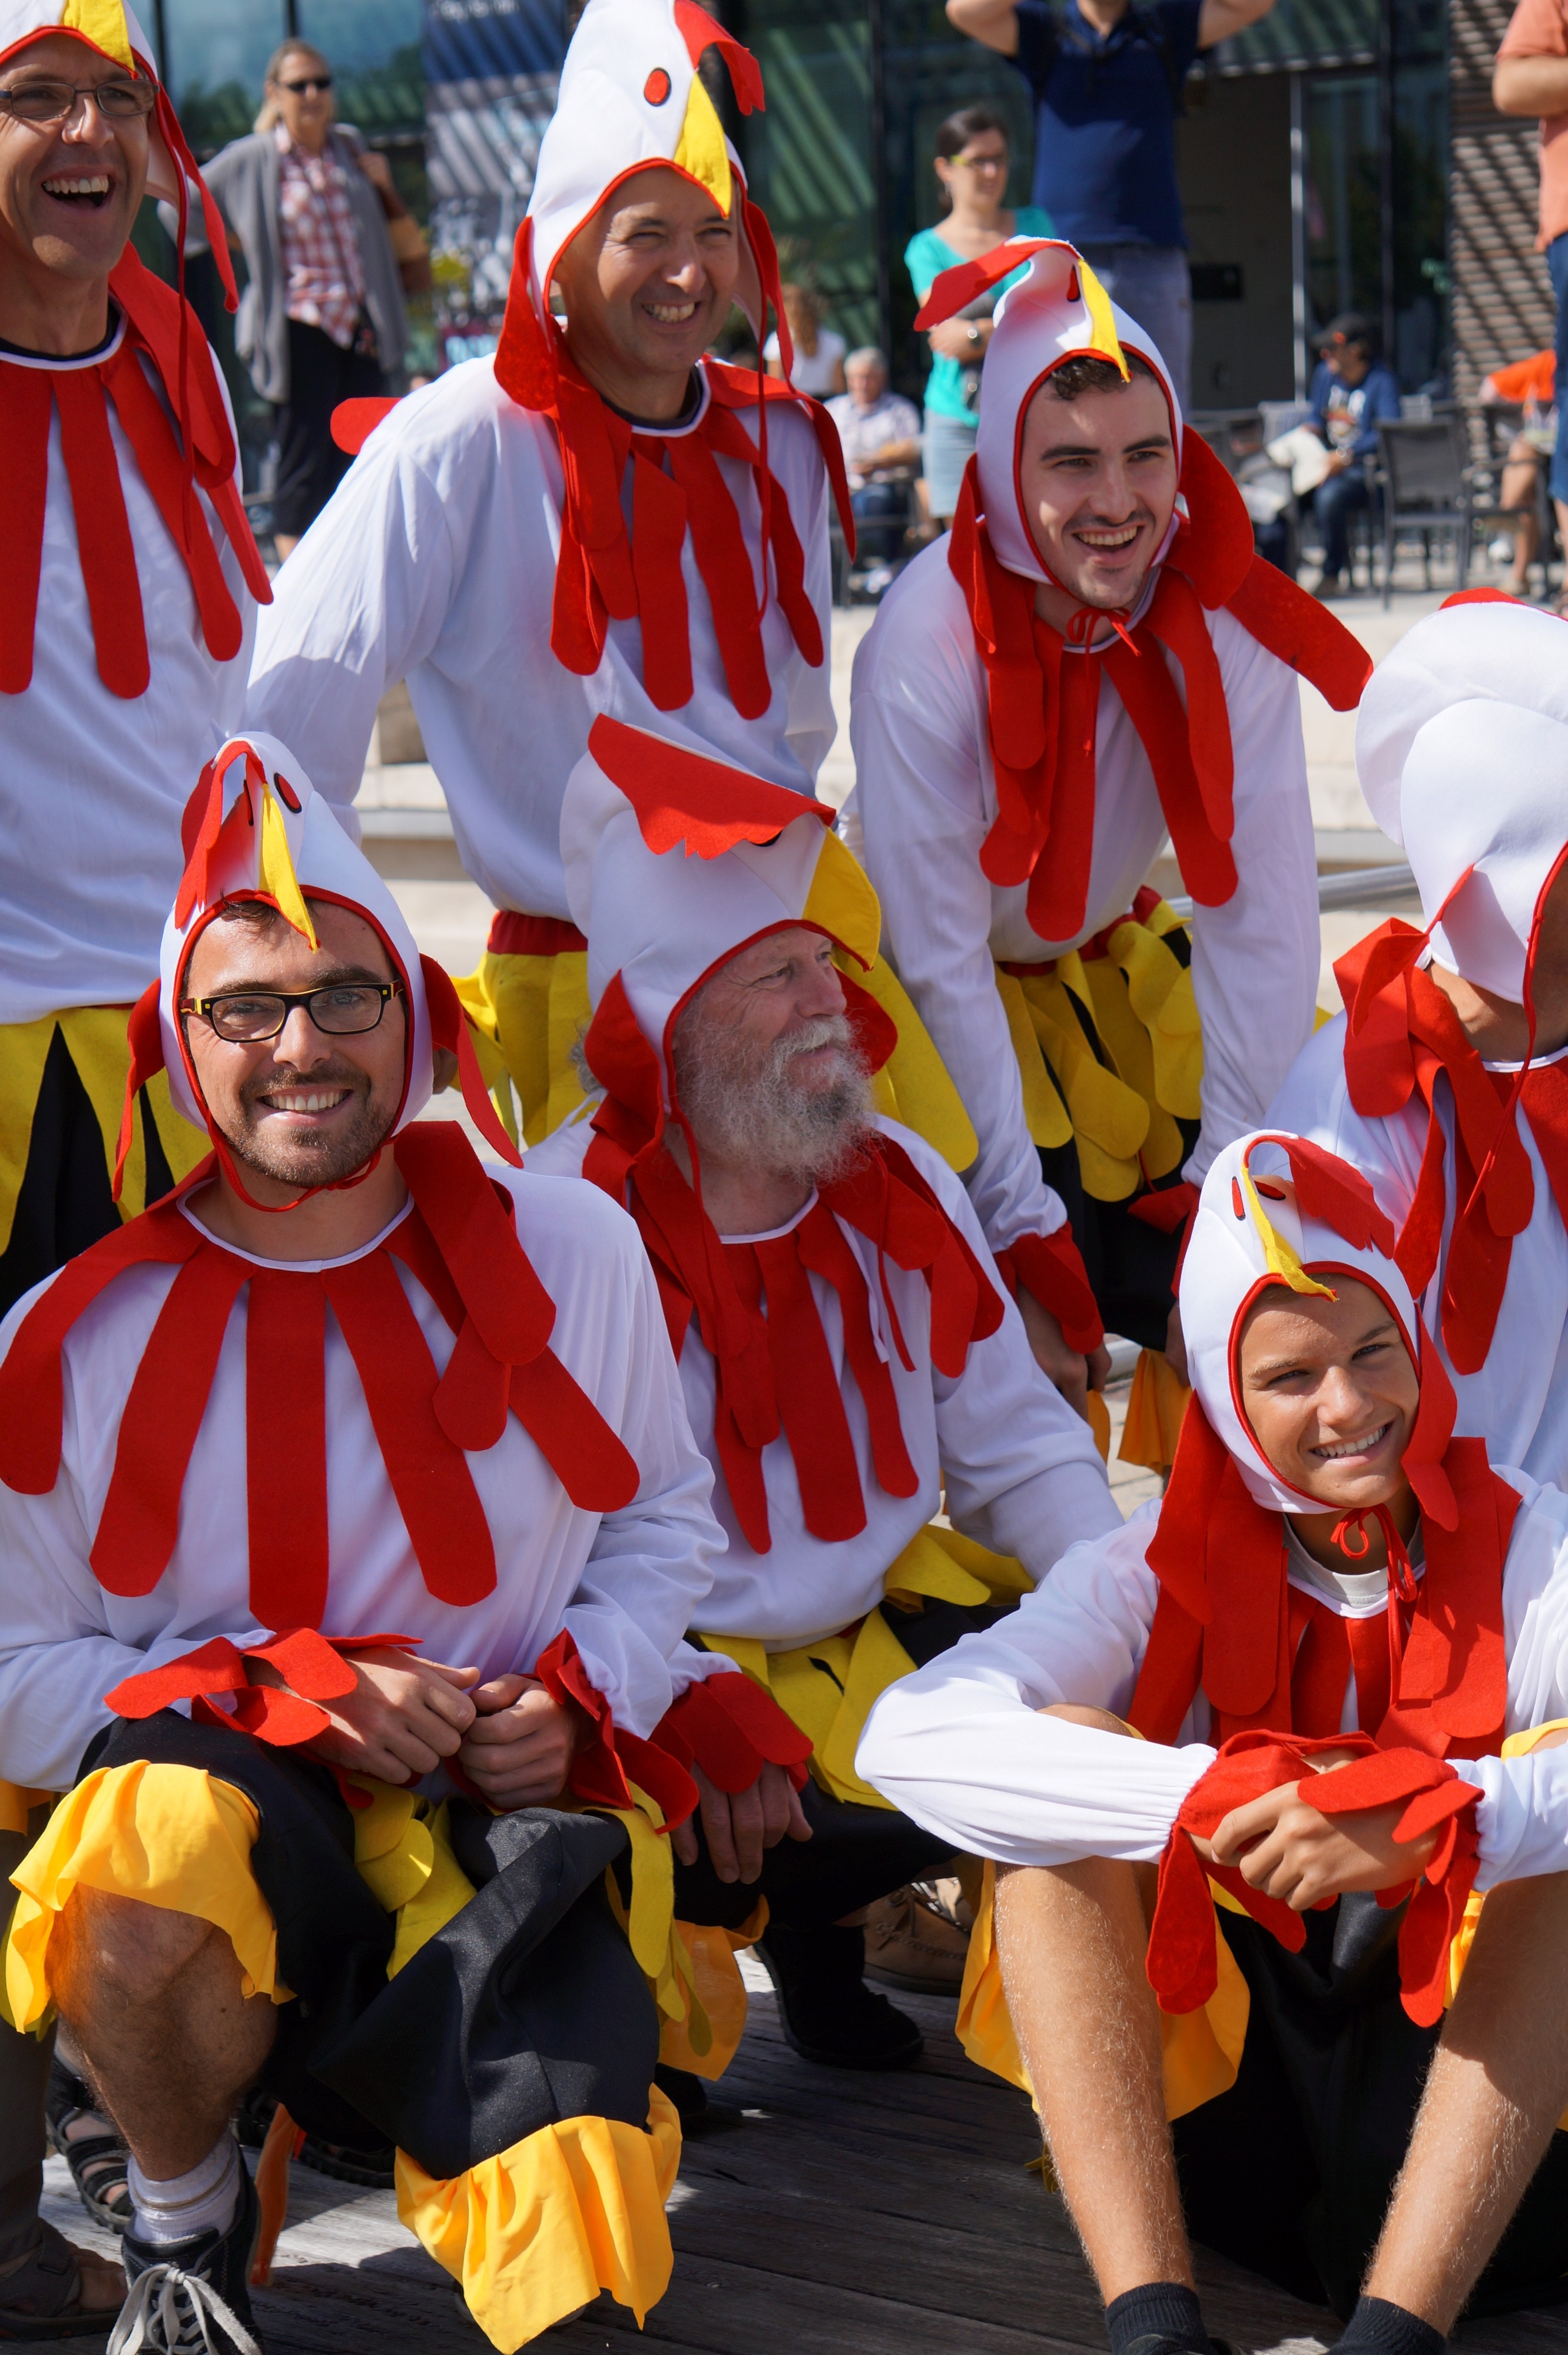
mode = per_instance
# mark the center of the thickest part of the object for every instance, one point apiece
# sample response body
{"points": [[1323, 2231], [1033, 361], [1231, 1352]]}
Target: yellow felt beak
{"points": [[842, 901], [701, 150], [278, 877], [101, 22], [1278, 1256], [1101, 326]]}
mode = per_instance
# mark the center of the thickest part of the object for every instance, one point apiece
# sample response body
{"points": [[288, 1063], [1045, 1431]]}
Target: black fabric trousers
{"points": [[310, 463], [1289, 2173], [65, 1202], [527, 2009], [856, 1854], [23, 2076]]}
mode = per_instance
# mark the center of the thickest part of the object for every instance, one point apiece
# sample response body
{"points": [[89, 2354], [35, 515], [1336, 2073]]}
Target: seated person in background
{"points": [[1350, 390], [1446, 1082], [880, 433], [1531, 385], [1329, 1563], [819, 364], [457, 1522], [843, 1347]]}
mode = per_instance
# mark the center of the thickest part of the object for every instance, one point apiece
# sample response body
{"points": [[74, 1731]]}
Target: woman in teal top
{"points": [[971, 165]]}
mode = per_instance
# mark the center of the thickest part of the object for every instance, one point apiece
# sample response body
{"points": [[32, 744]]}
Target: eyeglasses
{"points": [[983, 163], [247, 1018], [311, 81], [54, 101]]}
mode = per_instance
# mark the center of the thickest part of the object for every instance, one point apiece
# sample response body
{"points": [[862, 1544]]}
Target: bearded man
{"points": [[843, 1348], [1023, 747], [418, 1568]]}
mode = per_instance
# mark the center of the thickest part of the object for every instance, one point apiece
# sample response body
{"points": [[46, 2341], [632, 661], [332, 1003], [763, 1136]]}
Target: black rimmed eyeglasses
{"points": [[54, 101], [247, 1018]]}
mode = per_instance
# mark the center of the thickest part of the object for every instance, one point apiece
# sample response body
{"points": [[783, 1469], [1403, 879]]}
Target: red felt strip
{"points": [[658, 535], [285, 1447], [26, 405], [151, 436], [139, 1526], [430, 1480], [724, 561], [591, 1461], [600, 1768], [823, 1248], [103, 533], [811, 1405], [478, 1241], [1050, 1269]]}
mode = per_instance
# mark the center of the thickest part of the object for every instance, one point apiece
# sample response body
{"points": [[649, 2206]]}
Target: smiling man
{"points": [[125, 643], [367, 1524], [1331, 1569], [601, 519], [1093, 660]]}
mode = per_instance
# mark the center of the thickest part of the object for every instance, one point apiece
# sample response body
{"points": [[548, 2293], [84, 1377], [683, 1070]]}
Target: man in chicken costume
{"points": [[1092, 660], [127, 603], [603, 518], [1446, 1079], [844, 1351], [436, 1609], [1343, 1638]]}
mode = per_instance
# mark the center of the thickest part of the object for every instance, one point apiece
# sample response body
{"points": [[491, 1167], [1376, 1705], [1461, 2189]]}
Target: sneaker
{"points": [[918, 1940], [825, 2009], [192, 2298]]}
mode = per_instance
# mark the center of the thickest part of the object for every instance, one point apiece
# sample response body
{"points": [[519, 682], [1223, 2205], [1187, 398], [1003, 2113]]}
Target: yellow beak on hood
{"points": [[702, 151]]}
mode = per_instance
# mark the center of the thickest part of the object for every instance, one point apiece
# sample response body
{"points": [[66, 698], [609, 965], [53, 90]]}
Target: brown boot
{"points": [[918, 1938]]}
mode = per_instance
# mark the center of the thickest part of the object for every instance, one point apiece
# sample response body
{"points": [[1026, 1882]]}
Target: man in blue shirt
{"points": [[1106, 79], [1350, 391]]}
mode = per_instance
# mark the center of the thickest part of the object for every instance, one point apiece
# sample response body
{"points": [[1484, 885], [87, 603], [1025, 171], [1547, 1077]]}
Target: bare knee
{"points": [[1081, 1712], [119, 1948]]}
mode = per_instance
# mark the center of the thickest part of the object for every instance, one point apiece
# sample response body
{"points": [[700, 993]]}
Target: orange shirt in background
{"points": [[1540, 29], [1531, 379]]}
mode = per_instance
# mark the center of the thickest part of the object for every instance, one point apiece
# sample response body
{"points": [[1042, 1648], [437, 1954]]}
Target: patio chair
{"points": [[1423, 480]]}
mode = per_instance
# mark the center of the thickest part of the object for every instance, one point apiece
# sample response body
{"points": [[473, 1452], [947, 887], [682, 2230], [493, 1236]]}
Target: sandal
{"points": [[97, 2161], [41, 2294]]}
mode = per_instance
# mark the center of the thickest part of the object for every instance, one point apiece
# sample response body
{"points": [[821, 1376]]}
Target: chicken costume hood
{"points": [[674, 862], [158, 338], [1462, 752], [1043, 686]]}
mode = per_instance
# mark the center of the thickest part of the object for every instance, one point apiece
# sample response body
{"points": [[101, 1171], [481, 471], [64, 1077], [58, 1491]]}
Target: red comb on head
{"points": [[958, 287], [699, 32], [681, 798]]}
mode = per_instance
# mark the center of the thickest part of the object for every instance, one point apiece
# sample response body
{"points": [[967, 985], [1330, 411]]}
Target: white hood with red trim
{"points": [[256, 827], [1249, 1230], [1462, 752]]}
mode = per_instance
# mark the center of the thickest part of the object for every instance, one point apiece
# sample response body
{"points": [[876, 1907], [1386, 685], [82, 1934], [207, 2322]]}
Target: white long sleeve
{"points": [[1517, 1401], [1021, 1471], [925, 799], [626, 1584], [435, 562]]}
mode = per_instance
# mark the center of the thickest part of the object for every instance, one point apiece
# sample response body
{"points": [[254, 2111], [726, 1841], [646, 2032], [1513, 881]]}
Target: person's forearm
{"points": [[991, 21], [1531, 86], [1220, 19]]}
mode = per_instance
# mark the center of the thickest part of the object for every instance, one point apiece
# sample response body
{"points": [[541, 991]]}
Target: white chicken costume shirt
{"points": [[840, 1372], [1462, 752], [487, 1458], [527, 558], [1206, 1625], [1014, 788], [128, 593]]}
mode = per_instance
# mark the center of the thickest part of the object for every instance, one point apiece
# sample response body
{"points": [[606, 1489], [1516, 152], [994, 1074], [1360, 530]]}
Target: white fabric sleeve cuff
{"points": [[1521, 1816], [974, 1763]]}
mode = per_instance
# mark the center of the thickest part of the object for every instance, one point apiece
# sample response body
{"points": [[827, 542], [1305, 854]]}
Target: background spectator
{"points": [[1532, 78], [880, 433], [322, 319], [1532, 385], [818, 350], [1350, 390], [1106, 81], [971, 162]]}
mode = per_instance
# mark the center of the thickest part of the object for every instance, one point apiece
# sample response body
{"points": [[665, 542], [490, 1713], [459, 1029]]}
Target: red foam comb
{"points": [[698, 30], [683, 798], [958, 287]]}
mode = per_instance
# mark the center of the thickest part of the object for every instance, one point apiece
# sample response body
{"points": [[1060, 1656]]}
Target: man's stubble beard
{"points": [[744, 1108], [307, 1161]]}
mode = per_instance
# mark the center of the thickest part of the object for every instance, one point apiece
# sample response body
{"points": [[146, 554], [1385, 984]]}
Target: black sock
{"points": [[1390, 2331], [1158, 2310]]}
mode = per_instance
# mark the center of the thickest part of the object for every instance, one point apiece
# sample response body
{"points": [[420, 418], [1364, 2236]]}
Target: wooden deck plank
{"points": [[848, 2214]]}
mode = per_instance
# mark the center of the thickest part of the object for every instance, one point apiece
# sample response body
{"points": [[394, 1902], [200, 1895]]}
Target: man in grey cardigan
{"points": [[321, 318]]}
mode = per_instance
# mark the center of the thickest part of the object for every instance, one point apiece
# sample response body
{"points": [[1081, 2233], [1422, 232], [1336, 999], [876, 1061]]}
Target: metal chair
{"points": [[1423, 478]]}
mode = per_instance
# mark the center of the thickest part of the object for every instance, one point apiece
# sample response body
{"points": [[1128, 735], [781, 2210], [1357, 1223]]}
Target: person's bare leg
{"points": [[1498, 2085], [1071, 1940], [285, 542], [154, 2000]]}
